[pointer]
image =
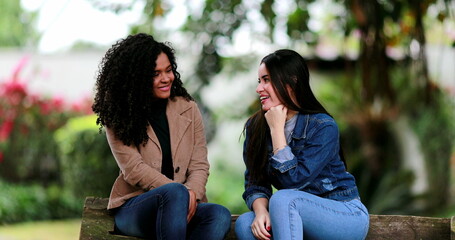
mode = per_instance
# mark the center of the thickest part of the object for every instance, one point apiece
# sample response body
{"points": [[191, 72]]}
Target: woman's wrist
{"points": [[276, 149], [278, 140]]}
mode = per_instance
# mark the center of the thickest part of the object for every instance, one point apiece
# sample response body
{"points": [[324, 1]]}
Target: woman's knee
{"points": [[215, 212], [280, 198], [173, 193], [243, 224], [176, 191], [223, 214]]}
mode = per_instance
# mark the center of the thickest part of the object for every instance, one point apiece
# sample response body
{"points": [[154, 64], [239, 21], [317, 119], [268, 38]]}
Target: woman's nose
{"points": [[165, 78], [259, 88]]}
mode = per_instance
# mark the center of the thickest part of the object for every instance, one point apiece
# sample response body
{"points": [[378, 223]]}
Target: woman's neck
{"points": [[290, 114]]}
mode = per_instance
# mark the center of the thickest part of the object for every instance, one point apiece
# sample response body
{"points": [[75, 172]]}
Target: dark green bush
{"points": [[19, 203], [88, 167], [28, 151]]}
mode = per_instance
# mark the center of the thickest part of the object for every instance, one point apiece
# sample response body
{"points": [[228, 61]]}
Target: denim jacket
{"points": [[311, 162]]}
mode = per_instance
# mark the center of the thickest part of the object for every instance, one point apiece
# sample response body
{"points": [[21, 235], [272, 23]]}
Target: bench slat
{"points": [[408, 227], [96, 224]]}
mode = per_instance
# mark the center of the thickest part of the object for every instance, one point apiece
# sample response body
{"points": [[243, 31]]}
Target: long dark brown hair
{"points": [[286, 69]]}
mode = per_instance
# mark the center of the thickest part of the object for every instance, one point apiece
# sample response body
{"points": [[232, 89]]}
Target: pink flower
{"points": [[45, 107], [83, 106], [57, 104], [1, 157], [5, 130], [14, 92]]}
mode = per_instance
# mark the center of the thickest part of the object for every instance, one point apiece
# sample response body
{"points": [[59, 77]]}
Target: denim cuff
{"points": [[283, 155], [283, 160], [250, 199]]}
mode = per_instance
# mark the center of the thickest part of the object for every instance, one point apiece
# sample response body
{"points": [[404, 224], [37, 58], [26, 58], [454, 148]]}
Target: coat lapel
{"points": [[152, 136], [178, 124]]}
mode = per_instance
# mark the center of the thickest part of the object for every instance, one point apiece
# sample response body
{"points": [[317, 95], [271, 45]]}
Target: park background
{"points": [[385, 69]]}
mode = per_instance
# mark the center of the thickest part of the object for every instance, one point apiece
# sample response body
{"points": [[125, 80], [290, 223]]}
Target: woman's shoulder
{"points": [[312, 123], [318, 118], [181, 105], [182, 102]]}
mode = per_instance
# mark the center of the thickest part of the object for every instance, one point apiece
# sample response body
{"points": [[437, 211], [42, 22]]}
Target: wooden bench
{"points": [[97, 224]]}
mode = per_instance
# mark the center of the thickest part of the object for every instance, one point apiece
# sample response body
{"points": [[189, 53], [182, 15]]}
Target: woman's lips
{"points": [[263, 98], [165, 88]]}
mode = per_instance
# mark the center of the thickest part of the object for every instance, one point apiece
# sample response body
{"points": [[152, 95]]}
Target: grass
{"points": [[43, 230]]}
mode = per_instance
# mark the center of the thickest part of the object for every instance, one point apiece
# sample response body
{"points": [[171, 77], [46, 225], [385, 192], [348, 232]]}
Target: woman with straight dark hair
{"points": [[156, 134], [292, 143]]}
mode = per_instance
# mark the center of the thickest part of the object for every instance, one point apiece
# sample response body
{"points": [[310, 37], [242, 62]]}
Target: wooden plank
{"points": [[97, 224], [408, 227], [452, 228], [231, 233]]}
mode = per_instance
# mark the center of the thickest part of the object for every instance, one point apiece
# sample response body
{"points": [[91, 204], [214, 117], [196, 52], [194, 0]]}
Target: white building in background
{"points": [[72, 75], [67, 75]]}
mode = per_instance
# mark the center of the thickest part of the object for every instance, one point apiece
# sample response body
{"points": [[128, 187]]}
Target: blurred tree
{"points": [[381, 25], [16, 25]]}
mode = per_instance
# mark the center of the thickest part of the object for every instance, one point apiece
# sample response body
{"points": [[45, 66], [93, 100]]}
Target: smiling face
{"points": [[163, 77], [265, 89]]}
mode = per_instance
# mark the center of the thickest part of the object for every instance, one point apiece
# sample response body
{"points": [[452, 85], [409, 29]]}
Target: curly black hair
{"points": [[124, 83]]}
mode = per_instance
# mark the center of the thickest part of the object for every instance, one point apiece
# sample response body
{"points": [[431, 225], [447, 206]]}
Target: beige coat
{"points": [[140, 168]]}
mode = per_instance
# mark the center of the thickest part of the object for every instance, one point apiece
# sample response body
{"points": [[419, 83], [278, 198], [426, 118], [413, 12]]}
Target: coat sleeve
{"points": [[132, 167], [198, 168]]}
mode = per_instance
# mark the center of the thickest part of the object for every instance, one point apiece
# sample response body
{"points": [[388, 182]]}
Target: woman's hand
{"points": [[276, 117], [261, 226], [261, 223], [191, 206]]}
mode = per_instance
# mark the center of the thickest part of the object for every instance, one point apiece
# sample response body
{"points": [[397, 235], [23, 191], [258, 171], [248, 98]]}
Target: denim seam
{"points": [[290, 219], [159, 216]]}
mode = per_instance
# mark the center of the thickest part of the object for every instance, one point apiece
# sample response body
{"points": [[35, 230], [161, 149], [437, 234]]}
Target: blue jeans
{"points": [[299, 215], [161, 213]]}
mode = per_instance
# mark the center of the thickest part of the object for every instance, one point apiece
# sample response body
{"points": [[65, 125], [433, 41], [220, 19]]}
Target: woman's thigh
{"points": [[154, 212], [297, 214]]}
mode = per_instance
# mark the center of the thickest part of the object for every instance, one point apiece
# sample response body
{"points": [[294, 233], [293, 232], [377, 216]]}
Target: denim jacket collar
{"points": [[301, 127]]}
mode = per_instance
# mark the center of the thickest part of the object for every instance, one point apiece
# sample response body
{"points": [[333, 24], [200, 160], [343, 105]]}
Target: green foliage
{"points": [[388, 191], [392, 194], [435, 128], [30, 170], [20, 203], [28, 152], [374, 185], [88, 167], [225, 187], [16, 25]]}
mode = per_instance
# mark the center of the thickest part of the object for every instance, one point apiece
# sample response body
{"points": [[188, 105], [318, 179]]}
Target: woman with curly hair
{"points": [[292, 143], [156, 134]]}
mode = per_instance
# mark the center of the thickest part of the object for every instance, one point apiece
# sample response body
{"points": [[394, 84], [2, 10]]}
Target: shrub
{"points": [[19, 203], [28, 152], [88, 167]]}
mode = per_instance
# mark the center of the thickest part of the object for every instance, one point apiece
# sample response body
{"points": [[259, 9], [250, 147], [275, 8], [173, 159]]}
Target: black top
{"points": [[158, 121]]}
